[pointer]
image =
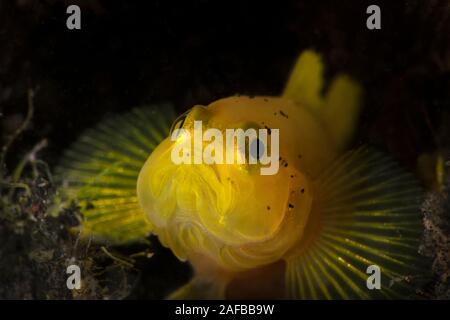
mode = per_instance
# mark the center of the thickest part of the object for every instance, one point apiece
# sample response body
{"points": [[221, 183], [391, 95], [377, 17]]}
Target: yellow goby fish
{"points": [[317, 224]]}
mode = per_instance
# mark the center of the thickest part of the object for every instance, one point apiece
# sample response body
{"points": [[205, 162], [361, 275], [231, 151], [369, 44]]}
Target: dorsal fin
{"points": [[338, 108]]}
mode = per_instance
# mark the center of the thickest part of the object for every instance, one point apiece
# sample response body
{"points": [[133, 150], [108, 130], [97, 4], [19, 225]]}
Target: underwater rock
{"points": [[436, 240]]}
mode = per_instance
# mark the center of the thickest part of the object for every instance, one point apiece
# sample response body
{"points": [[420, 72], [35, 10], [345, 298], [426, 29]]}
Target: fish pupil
{"points": [[257, 149]]}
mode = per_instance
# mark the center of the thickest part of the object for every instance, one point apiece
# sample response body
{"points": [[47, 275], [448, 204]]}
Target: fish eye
{"points": [[254, 148], [179, 122]]}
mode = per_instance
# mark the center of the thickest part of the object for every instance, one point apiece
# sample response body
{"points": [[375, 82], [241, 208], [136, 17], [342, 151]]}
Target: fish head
{"points": [[230, 211]]}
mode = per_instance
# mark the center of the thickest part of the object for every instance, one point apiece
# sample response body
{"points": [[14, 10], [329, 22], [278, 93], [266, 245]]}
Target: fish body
{"points": [[324, 217]]}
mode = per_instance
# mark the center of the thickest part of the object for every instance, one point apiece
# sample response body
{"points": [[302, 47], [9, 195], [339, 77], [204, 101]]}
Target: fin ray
{"points": [[367, 212], [99, 171]]}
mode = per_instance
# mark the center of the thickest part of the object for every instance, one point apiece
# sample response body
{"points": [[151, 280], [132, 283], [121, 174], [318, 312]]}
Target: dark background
{"points": [[132, 53]]}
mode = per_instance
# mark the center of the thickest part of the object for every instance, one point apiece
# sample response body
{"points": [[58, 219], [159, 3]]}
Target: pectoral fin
{"points": [[368, 213], [100, 170]]}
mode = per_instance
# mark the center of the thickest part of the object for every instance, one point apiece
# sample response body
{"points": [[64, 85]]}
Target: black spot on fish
{"points": [[283, 162], [268, 130], [284, 114], [291, 205], [292, 175], [268, 207], [303, 190]]}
